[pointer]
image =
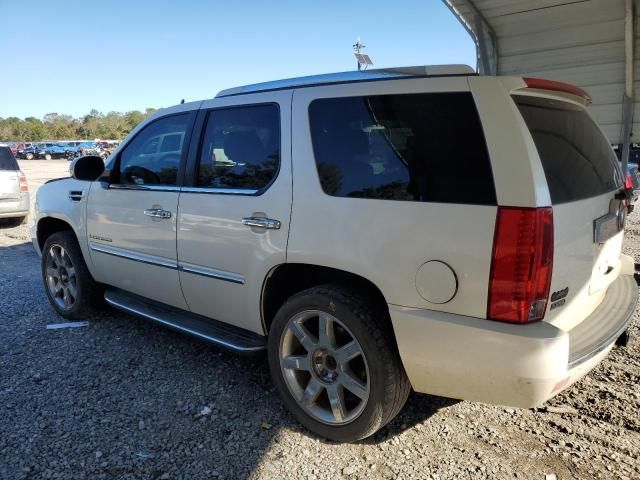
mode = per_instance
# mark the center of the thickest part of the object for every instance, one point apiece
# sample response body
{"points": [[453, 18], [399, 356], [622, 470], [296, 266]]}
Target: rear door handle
{"points": [[261, 222], [157, 213]]}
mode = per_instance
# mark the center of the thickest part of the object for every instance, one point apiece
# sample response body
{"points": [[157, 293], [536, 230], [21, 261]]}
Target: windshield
{"points": [[576, 156]]}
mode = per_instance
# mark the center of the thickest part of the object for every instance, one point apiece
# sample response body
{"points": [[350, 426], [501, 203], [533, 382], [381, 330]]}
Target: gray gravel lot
{"points": [[124, 398]]}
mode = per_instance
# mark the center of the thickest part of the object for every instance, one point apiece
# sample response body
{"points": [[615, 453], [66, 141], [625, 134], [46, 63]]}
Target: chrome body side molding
{"points": [[211, 273], [167, 263]]}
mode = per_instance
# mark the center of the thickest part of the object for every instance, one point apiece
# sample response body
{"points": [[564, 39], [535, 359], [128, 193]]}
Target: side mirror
{"points": [[87, 168]]}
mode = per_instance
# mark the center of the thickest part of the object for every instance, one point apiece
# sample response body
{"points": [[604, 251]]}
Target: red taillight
{"points": [[628, 184], [554, 86], [24, 186], [521, 264]]}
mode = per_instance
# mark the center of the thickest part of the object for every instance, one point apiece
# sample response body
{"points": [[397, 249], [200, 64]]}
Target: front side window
{"points": [[240, 148], [418, 147], [153, 156]]}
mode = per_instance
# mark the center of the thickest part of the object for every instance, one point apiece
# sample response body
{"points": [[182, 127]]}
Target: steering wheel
{"points": [[141, 176]]}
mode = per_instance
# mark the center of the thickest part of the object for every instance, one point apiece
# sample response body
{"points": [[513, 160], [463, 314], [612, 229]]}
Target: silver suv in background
{"points": [[14, 190]]}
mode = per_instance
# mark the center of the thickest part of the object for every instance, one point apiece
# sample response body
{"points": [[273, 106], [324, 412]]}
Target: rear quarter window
{"points": [[7, 160], [576, 156], [415, 147]]}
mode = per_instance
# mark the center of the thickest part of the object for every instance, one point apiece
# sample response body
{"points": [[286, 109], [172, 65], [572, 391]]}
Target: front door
{"points": [[234, 216], [131, 221]]}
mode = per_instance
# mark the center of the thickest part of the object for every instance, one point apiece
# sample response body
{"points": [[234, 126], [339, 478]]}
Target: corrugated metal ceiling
{"points": [[579, 42]]}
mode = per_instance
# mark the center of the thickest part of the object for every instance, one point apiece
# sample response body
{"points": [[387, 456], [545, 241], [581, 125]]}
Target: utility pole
{"points": [[361, 58], [356, 48]]}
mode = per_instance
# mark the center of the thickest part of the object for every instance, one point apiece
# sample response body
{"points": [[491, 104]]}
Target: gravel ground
{"points": [[124, 398]]}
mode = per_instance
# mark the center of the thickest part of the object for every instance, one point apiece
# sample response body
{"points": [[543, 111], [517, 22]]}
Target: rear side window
{"points": [[7, 160], [417, 147], [240, 148], [577, 159]]}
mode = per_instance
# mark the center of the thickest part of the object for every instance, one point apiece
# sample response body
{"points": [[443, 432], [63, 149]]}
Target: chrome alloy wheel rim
{"points": [[324, 367], [61, 277]]}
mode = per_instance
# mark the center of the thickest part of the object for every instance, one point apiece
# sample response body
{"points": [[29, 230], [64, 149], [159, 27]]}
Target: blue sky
{"points": [[71, 56]]}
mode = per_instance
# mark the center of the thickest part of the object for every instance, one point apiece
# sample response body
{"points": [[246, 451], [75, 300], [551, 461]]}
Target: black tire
{"points": [[388, 382], [88, 293]]}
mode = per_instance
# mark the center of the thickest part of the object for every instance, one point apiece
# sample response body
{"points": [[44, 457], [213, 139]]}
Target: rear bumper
{"points": [[516, 365], [18, 207]]}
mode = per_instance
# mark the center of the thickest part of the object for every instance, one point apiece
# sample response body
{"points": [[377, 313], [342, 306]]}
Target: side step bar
{"points": [[213, 331]]}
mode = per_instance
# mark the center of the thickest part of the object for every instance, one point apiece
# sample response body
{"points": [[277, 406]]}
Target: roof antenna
{"points": [[361, 58], [181, 101]]}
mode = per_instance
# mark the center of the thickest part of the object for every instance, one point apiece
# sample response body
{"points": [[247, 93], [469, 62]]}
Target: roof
{"points": [[581, 42], [353, 76]]}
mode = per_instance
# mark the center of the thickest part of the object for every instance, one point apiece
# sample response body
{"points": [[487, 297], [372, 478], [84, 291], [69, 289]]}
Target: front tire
{"points": [[71, 289], [29, 156], [47, 156], [335, 364]]}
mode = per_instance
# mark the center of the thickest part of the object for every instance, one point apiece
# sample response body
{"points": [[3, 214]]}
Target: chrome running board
{"points": [[213, 331]]}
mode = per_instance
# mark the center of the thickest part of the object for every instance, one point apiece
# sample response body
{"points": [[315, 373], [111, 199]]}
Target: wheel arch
{"points": [[287, 279], [47, 226]]}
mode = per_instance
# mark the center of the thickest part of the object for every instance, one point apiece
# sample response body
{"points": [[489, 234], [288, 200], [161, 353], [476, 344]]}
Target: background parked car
{"points": [[28, 151], [633, 180], [13, 146], [14, 191], [52, 151], [91, 148]]}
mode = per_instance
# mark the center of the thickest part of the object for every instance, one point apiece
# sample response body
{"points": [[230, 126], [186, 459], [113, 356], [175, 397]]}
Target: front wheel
{"points": [[29, 156], [71, 289], [47, 156], [335, 364]]}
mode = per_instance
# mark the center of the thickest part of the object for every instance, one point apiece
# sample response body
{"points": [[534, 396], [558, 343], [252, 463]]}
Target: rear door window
{"points": [[7, 160], [417, 147], [576, 156], [240, 149]]}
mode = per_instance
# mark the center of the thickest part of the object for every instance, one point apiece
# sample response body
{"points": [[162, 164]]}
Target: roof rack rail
{"points": [[352, 76]]}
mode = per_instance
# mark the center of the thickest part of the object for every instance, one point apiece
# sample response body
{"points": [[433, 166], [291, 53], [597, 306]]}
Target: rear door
{"points": [[9, 171], [234, 213], [584, 180]]}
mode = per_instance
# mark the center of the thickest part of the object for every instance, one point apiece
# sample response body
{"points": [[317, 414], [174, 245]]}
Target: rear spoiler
{"points": [[558, 87]]}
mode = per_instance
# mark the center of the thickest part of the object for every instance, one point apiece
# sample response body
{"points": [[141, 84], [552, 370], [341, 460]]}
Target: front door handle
{"points": [[157, 213], [261, 222]]}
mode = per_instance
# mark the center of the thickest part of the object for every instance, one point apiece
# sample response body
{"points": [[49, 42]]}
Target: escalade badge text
{"points": [[102, 239]]}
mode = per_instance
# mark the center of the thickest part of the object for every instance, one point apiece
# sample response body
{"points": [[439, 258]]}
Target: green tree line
{"points": [[113, 125]]}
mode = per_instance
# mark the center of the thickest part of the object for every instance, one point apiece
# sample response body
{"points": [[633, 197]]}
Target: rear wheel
{"points": [[334, 362], [29, 156], [71, 289]]}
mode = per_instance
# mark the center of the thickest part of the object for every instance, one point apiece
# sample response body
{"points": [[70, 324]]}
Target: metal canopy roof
{"points": [[588, 43]]}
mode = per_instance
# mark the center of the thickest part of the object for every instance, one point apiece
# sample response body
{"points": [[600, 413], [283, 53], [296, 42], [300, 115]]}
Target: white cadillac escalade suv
{"points": [[374, 231]]}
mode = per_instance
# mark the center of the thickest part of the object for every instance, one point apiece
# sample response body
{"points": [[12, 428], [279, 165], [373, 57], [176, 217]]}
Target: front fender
{"points": [[64, 200]]}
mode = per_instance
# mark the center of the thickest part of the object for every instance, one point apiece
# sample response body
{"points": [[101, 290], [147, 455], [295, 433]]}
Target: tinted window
{"points": [[7, 160], [418, 147], [241, 148], [577, 159], [142, 162]]}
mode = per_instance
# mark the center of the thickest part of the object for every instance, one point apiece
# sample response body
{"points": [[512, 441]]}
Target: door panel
{"points": [[131, 250], [223, 262]]}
